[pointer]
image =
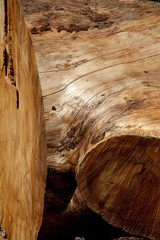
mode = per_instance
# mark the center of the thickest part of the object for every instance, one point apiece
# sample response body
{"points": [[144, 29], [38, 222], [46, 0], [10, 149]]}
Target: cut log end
{"points": [[119, 179]]}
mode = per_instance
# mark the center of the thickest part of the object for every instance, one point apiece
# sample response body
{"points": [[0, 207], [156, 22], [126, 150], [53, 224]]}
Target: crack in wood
{"points": [[5, 62], [8, 65], [154, 86], [101, 69], [17, 102]]}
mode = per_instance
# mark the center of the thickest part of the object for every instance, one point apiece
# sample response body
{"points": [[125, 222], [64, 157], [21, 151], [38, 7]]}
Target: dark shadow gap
{"points": [[59, 225]]}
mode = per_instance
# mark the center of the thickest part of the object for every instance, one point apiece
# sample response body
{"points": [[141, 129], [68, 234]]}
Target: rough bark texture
{"points": [[22, 138], [99, 69]]}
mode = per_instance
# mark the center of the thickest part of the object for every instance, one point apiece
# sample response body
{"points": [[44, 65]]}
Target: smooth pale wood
{"points": [[101, 92], [22, 138]]}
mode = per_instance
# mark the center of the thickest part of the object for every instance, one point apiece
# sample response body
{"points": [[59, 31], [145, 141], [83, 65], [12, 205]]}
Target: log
{"points": [[99, 71], [22, 135]]}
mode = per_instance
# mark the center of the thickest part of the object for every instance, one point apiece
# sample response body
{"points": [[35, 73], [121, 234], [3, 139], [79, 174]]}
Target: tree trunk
{"points": [[99, 71], [22, 138]]}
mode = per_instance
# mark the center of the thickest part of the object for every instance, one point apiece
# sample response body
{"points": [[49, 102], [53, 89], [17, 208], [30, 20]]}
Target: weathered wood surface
{"points": [[99, 69], [22, 138]]}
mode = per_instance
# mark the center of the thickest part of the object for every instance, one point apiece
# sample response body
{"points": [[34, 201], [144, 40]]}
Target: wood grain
{"points": [[22, 139], [99, 72]]}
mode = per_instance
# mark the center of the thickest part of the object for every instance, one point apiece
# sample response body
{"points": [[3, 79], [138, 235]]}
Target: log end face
{"points": [[119, 179]]}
